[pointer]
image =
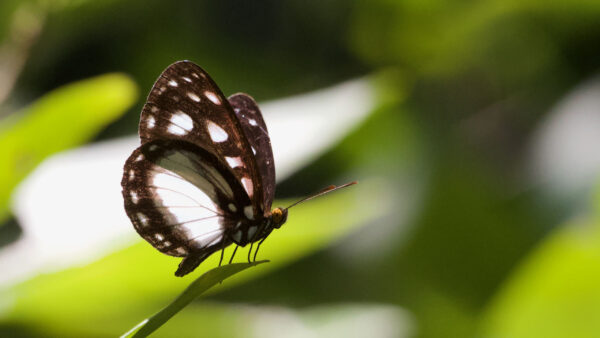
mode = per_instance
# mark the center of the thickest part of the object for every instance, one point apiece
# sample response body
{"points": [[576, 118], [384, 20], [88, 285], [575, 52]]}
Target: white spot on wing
{"points": [[249, 212], [193, 96], [247, 183], [185, 78], [212, 96], [177, 130], [217, 134], [253, 150], [142, 218], [252, 122], [232, 207], [131, 174], [151, 122], [154, 109], [173, 83], [182, 120], [134, 197], [181, 251], [159, 237], [234, 161], [140, 157]]}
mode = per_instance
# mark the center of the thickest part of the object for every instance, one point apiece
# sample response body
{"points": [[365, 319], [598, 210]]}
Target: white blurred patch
{"points": [[344, 320], [71, 211], [377, 240], [71, 207], [303, 126], [564, 155]]}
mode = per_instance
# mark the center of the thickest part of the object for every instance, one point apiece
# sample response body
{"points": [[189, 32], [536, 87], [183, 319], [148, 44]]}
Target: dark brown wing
{"points": [[255, 129], [182, 199], [185, 104]]}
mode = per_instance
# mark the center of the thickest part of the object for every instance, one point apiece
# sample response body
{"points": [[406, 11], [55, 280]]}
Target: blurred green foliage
{"points": [[461, 240], [554, 293], [63, 118]]}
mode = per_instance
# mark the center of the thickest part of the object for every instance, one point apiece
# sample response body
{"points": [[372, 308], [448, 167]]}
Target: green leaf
{"points": [[117, 290], [63, 118], [195, 289], [556, 292]]}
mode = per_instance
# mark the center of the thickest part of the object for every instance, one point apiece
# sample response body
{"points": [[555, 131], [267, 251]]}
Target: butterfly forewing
{"points": [[185, 104], [255, 131], [181, 198]]}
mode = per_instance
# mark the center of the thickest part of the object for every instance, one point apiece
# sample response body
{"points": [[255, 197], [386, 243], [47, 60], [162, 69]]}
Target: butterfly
{"points": [[203, 177]]}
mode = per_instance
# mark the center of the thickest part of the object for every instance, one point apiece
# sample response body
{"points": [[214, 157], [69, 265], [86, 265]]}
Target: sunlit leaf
{"points": [[126, 284], [63, 118], [195, 289]]}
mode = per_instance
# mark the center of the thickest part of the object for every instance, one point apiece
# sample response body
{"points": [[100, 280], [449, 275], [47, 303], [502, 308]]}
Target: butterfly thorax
{"points": [[247, 232]]}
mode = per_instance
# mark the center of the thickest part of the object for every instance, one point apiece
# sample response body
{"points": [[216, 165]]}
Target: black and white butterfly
{"points": [[204, 176]]}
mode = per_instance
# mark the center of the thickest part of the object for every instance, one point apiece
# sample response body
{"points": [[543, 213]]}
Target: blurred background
{"points": [[477, 152]]}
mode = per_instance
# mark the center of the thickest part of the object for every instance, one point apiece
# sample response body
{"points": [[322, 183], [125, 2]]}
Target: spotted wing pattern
{"points": [[185, 104], [255, 130]]}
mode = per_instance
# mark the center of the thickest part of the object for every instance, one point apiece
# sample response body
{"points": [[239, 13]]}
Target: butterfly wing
{"points": [[182, 199], [185, 104], [255, 130]]}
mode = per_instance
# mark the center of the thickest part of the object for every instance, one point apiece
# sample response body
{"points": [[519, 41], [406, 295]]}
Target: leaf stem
{"points": [[195, 289]]}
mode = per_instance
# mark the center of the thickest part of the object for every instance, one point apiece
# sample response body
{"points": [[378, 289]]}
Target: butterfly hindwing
{"points": [[185, 104], [255, 130], [181, 198]]}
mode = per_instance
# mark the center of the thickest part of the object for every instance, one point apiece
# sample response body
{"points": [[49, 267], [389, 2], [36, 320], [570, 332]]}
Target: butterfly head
{"points": [[278, 217]]}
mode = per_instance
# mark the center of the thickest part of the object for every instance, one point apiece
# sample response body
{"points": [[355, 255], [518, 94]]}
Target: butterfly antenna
{"points": [[323, 192]]}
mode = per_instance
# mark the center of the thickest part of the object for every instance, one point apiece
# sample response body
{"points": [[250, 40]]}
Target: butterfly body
{"points": [[203, 177]]}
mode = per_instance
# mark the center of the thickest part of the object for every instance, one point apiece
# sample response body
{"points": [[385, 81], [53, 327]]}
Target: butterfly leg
{"points": [[222, 251], [232, 255], [258, 247], [250, 251]]}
